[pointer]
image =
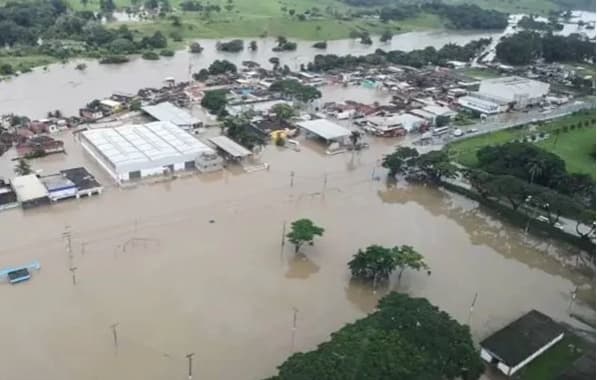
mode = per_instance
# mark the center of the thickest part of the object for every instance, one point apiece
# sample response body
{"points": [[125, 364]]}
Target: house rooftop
{"points": [[324, 128], [523, 337], [166, 111], [29, 187]]}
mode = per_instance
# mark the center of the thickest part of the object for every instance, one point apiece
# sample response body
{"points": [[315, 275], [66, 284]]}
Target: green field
{"points": [[574, 146], [27, 62], [553, 361]]}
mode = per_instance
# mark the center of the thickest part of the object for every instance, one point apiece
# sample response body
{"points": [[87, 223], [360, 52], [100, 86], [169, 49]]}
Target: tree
{"points": [[223, 66], [283, 111], [195, 48], [238, 129], [275, 61], [435, 165], [404, 338], [201, 76], [253, 45], [375, 263], [535, 169], [6, 69], [407, 257], [303, 231], [214, 101], [355, 137], [22, 167], [84, 3], [291, 12], [320, 45], [107, 6], [386, 36], [400, 161], [231, 46]]}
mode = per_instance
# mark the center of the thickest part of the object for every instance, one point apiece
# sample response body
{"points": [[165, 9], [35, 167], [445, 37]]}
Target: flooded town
{"points": [[212, 215]]}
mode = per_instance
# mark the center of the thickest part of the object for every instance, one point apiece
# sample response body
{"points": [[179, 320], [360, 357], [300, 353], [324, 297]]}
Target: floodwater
{"points": [[64, 88], [195, 265]]}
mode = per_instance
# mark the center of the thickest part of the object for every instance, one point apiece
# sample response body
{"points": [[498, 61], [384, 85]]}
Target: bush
{"points": [[167, 53], [320, 45], [6, 69], [114, 59], [150, 55]]}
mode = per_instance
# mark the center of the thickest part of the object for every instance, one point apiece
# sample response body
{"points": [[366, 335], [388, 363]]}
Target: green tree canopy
{"points": [[406, 338], [22, 167], [400, 161], [283, 111], [303, 231], [214, 101], [376, 263]]}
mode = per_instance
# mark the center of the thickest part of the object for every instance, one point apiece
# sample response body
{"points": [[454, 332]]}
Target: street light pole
{"points": [[190, 359]]}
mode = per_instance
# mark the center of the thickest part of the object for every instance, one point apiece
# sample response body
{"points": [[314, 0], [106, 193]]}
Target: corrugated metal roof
{"points": [[29, 187], [324, 128], [168, 112], [230, 147], [138, 144]]}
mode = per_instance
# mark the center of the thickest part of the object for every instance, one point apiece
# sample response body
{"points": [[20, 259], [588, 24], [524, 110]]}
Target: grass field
{"points": [[27, 62], [553, 361], [574, 146]]}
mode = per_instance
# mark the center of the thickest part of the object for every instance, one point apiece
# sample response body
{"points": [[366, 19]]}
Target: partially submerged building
{"points": [[136, 151], [30, 191], [84, 181], [167, 111], [518, 91], [8, 197], [517, 344], [59, 187], [334, 135]]}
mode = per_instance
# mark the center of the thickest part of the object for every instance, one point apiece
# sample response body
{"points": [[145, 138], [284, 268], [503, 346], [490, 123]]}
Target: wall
{"points": [[64, 193], [530, 358]]}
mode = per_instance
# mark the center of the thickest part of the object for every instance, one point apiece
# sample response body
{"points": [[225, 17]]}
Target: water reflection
{"points": [[301, 267], [483, 228]]}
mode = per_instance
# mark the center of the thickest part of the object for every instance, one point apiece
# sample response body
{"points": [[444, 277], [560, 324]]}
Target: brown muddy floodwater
{"points": [[63, 87], [149, 259]]}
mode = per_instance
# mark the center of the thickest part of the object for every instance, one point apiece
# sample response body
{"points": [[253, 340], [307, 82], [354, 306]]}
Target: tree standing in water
{"points": [[23, 168], [303, 231]]}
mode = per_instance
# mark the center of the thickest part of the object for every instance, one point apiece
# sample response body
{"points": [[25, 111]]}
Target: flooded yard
{"points": [[196, 265]]}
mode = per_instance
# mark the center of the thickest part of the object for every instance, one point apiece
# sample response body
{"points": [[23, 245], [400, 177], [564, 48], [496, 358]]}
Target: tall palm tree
{"points": [[535, 169]]}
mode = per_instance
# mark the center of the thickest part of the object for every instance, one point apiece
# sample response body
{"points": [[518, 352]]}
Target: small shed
{"points": [[517, 344], [230, 147], [31, 192]]}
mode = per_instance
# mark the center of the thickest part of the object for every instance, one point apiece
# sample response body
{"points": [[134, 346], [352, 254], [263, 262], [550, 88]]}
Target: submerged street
{"points": [[196, 265]]}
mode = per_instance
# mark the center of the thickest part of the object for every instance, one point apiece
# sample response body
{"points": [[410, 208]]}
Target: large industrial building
{"points": [[136, 151], [517, 91]]}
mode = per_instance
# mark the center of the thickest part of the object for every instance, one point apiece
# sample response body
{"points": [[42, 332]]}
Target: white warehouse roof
{"points": [[513, 88], [230, 146], [29, 187], [136, 147], [167, 111], [324, 128]]}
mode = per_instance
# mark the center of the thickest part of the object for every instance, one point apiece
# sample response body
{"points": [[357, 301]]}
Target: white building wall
{"points": [[64, 193], [486, 355], [504, 368]]}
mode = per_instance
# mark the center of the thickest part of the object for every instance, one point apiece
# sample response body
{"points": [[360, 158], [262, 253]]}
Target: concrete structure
{"points": [[59, 187], [518, 91], [8, 198], [166, 111], [209, 162], [394, 124], [517, 344], [136, 151], [30, 191]]}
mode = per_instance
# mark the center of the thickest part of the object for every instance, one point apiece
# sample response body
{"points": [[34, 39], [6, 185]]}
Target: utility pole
{"points": [[292, 178], [283, 240], [293, 335], [470, 310], [73, 269], [572, 299], [190, 359], [67, 236], [325, 182], [115, 333]]}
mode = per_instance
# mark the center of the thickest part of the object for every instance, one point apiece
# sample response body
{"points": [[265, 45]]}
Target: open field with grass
{"points": [[27, 62], [555, 360], [574, 146]]}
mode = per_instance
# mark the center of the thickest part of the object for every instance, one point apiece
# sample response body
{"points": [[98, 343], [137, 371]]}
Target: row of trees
{"points": [[294, 89], [536, 166], [429, 167], [415, 58], [525, 47]]}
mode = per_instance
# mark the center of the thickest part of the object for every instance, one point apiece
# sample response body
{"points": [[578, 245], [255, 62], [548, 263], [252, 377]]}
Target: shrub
{"points": [[150, 55], [167, 53]]}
